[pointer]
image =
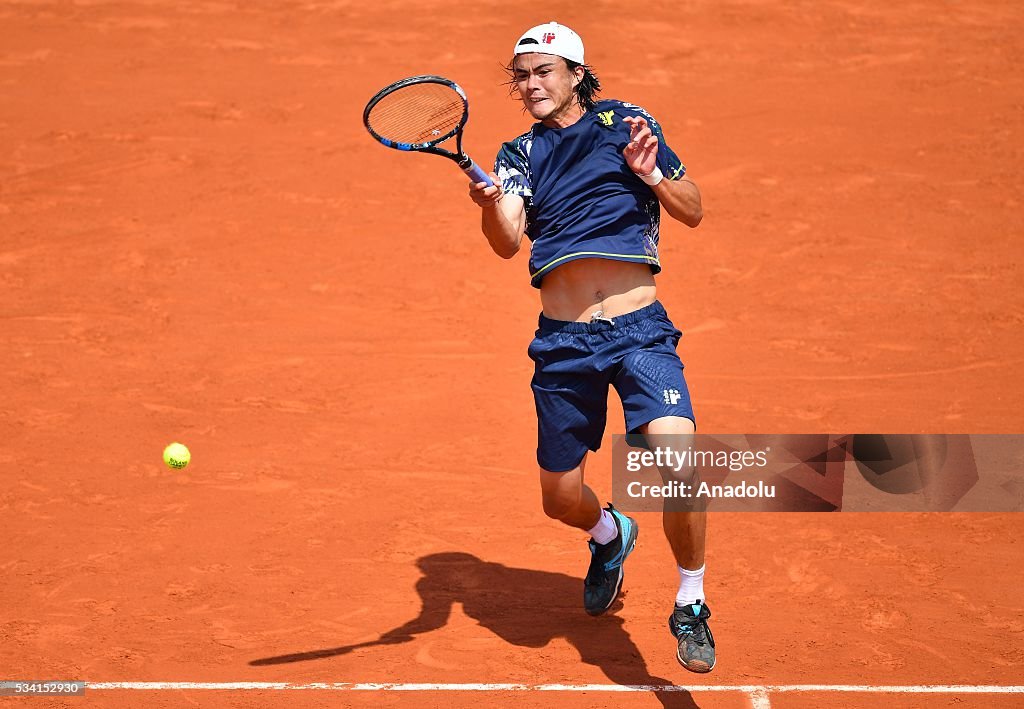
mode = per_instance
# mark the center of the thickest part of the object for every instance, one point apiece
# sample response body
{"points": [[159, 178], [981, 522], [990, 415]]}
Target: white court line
{"points": [[752, 689], [759, 700]]}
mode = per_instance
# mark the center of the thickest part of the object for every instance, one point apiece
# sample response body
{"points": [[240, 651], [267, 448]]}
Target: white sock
{"points": [[605, 530], [691, 586]]}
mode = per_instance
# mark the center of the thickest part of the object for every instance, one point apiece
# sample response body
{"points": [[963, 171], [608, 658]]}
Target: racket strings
{"points": [[420, 113]]}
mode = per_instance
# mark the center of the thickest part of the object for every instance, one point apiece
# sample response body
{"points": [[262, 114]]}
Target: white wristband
{"points": [[654, 178]]}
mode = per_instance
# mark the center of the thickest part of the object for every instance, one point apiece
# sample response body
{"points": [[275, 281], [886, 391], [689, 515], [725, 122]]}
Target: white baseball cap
{"points": [[552, 38]]}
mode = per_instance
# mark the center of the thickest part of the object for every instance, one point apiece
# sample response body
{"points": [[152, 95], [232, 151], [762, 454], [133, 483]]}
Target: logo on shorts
{"points": [[672, 396]]}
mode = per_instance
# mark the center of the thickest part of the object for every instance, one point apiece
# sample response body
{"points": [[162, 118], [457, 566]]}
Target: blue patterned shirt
{"points": [[582, 200]]}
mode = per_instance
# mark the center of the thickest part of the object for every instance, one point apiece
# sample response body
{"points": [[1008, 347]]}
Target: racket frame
{"points": [[431, 146]]}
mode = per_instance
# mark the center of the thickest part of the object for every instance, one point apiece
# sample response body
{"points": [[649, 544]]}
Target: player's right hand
{"points": [[484, 195]]}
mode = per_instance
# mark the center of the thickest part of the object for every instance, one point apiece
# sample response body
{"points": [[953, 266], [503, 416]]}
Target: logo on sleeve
{"points": [[606, 117]]}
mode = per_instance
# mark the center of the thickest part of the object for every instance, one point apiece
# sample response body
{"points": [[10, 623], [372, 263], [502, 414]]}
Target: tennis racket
{"points": [[418, 113]]}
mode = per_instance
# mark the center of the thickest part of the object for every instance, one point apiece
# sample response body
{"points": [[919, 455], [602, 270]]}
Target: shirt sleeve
{"points": [[669, 163], [513, 169]]}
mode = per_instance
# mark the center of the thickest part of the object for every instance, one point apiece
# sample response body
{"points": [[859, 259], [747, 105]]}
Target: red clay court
{"points": [[199, 242]]}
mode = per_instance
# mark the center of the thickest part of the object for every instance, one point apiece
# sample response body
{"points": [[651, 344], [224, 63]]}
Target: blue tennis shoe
{"points": [[604, 577]]}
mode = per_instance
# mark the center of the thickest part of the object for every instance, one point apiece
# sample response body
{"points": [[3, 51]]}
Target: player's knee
{"points": [[557, 508], [684, 475], [559, 504]]}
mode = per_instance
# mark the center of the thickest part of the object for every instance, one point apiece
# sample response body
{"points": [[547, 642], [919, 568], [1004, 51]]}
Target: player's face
{"points": [[546, 85]]}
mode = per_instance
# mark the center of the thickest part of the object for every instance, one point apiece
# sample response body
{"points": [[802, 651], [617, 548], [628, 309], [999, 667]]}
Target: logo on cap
{"points": [[548, 37]]}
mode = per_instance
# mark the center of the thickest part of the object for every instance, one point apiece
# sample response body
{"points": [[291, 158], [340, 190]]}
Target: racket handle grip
{"points": [[476, 174]]}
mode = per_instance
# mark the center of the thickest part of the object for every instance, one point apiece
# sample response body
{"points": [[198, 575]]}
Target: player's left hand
{"points": [[641, 152]]}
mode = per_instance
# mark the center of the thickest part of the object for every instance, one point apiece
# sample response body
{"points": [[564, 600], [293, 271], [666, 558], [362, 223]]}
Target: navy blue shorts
{"points": [[575, 363]]}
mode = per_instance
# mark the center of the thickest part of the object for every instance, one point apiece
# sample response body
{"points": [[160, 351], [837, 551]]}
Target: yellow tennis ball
{"points": [[177, 456]]}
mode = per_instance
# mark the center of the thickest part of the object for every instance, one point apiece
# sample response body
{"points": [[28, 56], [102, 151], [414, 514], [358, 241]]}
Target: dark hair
{"points": [[586, 91]]}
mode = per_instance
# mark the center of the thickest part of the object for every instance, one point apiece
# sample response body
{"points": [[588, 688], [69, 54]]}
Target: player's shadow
{"points": [[524, 607]]}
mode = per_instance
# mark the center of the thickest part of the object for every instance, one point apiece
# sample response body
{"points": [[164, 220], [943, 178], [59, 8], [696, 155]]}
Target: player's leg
{"points": [[568, 499], [656, 401], [685, 530], [612, 535], [571, 395]]}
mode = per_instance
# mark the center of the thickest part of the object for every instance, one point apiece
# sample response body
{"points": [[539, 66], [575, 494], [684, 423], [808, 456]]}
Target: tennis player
{"points": [[586, 185]]}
